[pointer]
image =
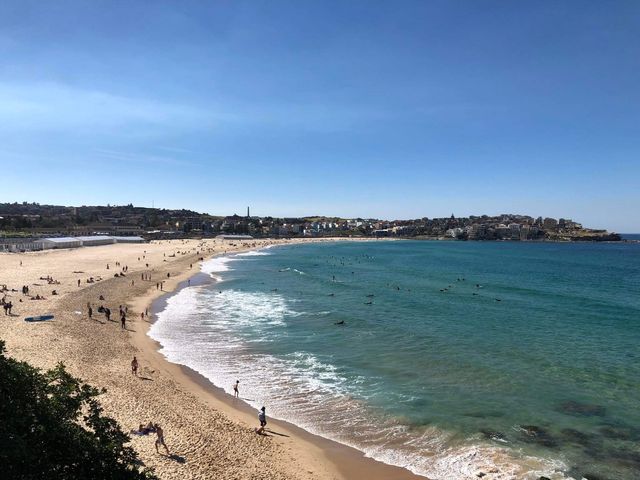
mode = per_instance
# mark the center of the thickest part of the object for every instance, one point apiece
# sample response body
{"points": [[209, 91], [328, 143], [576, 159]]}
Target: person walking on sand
{"points": [[90, 312], [123, 322], [236, 391], [262, 417], [160, 438], [134, 366]]}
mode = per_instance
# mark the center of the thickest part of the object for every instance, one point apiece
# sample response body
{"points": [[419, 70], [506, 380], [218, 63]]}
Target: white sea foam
{"points": [[253, 253], [215, 334], [215, 266]]}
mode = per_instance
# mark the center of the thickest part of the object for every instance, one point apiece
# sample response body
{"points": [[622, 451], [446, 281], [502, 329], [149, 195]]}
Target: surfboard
{"points": [[40, 318]]}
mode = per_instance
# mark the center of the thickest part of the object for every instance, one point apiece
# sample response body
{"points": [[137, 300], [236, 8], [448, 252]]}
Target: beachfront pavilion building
{"points": [[132, 239], [59, 242], [95, 240], [235, 237], [82, 241]]}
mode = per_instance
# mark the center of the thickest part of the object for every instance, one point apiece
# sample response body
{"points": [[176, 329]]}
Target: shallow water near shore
{"points": [[453, 358]]}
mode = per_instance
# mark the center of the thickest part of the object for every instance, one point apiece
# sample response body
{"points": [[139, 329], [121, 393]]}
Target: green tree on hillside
{"points": [[52, 426]]}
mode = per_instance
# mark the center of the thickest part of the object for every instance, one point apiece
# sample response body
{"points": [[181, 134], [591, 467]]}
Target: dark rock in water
{"points": [[619, 433], [575, 436], [535, 434], [494, 435], [625, 457], [594, 453], [544, 478], [593, 476], [578, 409], [576, 472], [484, 414]]}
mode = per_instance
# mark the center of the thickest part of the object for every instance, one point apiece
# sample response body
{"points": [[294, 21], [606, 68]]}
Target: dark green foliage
{"points": [[52, 426]]}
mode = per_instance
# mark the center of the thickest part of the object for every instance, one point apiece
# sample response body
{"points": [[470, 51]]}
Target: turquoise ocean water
{"points": [[515, 359]]}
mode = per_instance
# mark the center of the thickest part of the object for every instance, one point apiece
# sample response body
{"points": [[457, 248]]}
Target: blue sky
{"points": [[374, 108]]}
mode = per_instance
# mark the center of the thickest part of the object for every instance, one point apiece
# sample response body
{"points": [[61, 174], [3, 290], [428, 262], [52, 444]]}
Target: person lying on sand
{"points": [[142, 430]]}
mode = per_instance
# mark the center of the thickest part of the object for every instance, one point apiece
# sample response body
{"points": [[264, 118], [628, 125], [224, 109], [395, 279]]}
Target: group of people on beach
{"points": [[151, 427], [124, 310]]}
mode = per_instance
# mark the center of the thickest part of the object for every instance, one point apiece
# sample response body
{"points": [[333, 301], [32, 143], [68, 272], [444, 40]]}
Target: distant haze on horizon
{"points": [[354, 109]]}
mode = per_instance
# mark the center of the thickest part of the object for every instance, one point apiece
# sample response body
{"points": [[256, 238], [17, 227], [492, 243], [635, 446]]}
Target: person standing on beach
{"points": [[160, 439], [134, 366], [262, 417], [123, 322], [236, 392], [90, 312]]}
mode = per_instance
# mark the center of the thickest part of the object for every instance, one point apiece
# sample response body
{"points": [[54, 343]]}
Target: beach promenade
{"points": [[209, 435]]}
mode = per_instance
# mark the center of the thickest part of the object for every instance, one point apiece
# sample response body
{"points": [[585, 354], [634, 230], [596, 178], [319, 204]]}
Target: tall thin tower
{"points": [[248, 216]]}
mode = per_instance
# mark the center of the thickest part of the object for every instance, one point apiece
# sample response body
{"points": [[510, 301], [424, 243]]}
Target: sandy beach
{"points": [[209, 434]]}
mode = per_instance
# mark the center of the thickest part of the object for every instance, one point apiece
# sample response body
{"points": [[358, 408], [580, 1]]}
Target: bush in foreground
{"points": [[52, 426]]}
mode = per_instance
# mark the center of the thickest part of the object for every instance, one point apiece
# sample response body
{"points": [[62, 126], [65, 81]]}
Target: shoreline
{"points": [[209, 433], [345, 462], [207, 437]]}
